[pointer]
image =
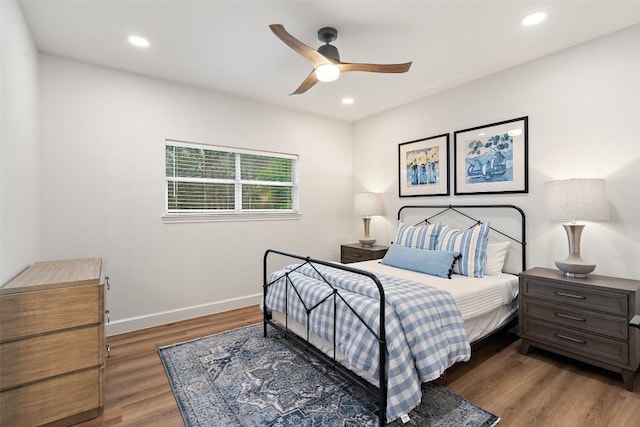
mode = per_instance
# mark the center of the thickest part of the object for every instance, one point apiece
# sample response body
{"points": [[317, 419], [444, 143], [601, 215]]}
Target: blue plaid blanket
{"points": [[424, 331]]}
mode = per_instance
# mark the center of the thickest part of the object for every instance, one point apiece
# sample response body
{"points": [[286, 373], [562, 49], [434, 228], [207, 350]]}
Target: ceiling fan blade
{"points": [[310, 54], [375, 68], [306, 84]]}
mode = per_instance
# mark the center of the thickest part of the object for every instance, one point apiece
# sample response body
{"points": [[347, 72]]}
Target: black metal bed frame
{"points": [[381, 390]]}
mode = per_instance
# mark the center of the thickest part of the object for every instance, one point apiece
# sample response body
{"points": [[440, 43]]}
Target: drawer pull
{"points": [[564, 294], [106, 279], [566, 316], [564, 337], [355, 255]]}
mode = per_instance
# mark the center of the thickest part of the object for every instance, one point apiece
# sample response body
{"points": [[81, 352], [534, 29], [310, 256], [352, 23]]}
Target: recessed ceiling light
{"points": [[138, 41], [533, 19], [347, 101]]}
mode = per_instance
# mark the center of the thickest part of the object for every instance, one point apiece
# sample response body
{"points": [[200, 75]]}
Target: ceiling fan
{"points": [[326, 60]]}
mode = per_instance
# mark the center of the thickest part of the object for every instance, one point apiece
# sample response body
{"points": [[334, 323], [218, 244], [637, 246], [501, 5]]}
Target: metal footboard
{"points": [[381, 391]]}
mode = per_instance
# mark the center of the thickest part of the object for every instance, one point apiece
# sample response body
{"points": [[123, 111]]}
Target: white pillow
{"points": [[496, 254]]}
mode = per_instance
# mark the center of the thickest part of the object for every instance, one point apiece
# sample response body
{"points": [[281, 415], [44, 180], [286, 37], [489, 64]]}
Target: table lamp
{"points": [[367, 205], [576, 200]]}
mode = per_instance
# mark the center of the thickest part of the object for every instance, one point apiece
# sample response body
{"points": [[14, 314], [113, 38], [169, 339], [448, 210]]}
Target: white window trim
{"points": [[236, 214], [175, 218]]}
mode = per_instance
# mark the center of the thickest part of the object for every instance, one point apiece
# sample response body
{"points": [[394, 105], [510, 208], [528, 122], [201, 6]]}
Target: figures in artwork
{"points": [[488, 161]]}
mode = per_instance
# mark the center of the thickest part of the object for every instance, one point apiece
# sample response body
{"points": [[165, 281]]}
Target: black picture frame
{"points": [[492, 159], [423, 167]]}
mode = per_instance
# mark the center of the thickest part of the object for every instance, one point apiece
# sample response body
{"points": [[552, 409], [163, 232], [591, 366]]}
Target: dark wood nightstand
{"points": [[585, 319], [355, 252]]}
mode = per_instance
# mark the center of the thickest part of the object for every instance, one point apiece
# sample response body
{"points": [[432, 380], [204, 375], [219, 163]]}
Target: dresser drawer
{"points": [[588, 298], [48, 401], [36, 312], [588, 321], [36, 358], [603, 349]]}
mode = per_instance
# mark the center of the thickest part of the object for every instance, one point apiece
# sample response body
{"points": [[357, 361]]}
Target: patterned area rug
{"points": [[238, 378]]}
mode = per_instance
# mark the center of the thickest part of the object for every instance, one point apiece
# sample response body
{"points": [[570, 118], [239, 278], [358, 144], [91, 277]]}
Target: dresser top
{"points": [[53, 274], [591, 279]]}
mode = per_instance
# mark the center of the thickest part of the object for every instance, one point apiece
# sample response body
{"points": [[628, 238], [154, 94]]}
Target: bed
{"points": [[447, 281]]}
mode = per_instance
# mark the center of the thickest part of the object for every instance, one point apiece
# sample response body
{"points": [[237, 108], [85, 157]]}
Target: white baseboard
{"points": [[156, 319]]}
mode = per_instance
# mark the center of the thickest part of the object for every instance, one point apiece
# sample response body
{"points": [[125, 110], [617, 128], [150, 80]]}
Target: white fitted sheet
{"points": [[474, 296]]}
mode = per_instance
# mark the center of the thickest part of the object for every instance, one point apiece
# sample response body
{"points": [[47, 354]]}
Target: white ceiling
{"points": [[227, 46]]}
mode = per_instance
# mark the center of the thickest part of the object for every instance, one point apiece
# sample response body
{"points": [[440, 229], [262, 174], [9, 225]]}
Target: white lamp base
{"points": [[574, 265], [574, 268], [367, 242]]}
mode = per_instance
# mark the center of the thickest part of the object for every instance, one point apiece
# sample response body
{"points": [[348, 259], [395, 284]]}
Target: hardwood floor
{"points": [[535, 390]]}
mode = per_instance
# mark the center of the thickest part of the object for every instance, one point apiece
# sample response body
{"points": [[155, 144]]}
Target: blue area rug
{"points": [[239, 378]]}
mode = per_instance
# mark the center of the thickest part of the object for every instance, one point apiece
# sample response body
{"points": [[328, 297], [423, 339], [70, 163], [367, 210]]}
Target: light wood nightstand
{"points": [[355, 252], [586, 319]]}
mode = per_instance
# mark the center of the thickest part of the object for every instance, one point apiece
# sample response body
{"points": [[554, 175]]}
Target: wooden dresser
{"points": [[52, 344], [586, 319]]}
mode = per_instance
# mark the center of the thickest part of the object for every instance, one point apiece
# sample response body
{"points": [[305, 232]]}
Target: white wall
{"points": [[19, 155], [101, 169], [584, 109], [103, 135]]}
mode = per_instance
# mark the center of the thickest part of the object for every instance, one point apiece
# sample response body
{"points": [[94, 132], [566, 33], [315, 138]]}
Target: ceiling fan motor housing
{"points": [[327, 34], [330, 51]]}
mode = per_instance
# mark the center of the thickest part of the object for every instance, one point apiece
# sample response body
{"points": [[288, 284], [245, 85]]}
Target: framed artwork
{"points": [[492, 158], [423, 167]]}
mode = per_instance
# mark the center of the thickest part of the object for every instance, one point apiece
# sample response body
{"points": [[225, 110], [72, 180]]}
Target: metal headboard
{"points": [[459, 209]]}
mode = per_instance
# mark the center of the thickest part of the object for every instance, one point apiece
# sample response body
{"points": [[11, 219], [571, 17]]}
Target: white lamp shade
{"points": [[576, 199], [367, 204]]}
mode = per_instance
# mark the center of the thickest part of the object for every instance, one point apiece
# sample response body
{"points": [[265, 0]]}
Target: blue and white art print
{"points": [[424, 167], [492, 158]]}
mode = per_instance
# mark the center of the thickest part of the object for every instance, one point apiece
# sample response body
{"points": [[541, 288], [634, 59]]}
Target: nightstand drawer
{"points": [[599, 348], [357, 254], [588, 298], [588, 321]]}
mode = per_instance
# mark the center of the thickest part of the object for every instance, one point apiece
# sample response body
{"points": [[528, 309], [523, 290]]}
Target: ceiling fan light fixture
{"points": [[327, 72]]}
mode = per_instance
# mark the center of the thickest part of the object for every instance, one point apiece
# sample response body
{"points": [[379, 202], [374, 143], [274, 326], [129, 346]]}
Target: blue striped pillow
{"points": [[471, 243], [422, 236]]}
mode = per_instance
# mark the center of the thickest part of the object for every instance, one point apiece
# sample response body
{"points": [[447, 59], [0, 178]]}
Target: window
{"points": [[213, 180]]}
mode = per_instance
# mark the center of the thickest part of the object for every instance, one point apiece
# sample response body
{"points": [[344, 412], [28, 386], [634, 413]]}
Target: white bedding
{"points": [[474, 297]]}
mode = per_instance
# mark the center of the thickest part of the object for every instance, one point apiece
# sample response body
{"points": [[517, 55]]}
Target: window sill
{"points": [[229, 217]]}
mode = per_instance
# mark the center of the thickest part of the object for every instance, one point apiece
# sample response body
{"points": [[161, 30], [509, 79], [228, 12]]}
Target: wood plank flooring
{"points": [[539, 389]]}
